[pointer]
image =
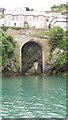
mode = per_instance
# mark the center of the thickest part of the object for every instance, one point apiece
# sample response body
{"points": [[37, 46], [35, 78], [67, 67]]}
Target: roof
{"points": [[24, 12]]}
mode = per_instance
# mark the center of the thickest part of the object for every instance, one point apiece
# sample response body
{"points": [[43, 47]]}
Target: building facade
{"points": [[61, 21], [19, 16]]}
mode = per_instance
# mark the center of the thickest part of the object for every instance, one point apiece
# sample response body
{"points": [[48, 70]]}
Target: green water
{"points": [[33, 97]]}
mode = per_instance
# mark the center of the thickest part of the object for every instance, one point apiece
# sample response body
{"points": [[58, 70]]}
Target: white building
{"points": [[61, 21], [51, 15], [19, 16]]}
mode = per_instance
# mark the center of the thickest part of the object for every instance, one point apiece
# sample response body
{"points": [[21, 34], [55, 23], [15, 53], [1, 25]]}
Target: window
{"points": [[21, 17], [41, 18], [20, 24], [15, 17], [14, 24], [8, 23], [42, 25], [9, 17], [30, 18]]}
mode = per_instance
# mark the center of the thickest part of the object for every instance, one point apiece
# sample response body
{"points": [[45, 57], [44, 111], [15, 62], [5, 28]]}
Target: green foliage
{"points": [[60, 65], [8, 49], [11, 39], [62, 43], [58, 39], [59, 8], [56, 34], [4, 28], [26, 26], [32, 9], [4, 55], [60, 62], [66, 34], [42, 34], [0, 63], [15, 67], [17, 28], [2, 16]]}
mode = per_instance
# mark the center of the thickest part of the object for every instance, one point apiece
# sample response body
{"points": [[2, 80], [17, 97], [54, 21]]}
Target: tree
{"points": [[8, 52], [61, 7], [58, 39], [10, 38], [56, 34], [26, 25], [7, 48]]}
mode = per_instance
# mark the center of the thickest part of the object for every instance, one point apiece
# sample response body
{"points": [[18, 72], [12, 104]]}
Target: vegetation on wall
{"points": [[8, 51], [26, 26], [5, 28], [56, 36]]}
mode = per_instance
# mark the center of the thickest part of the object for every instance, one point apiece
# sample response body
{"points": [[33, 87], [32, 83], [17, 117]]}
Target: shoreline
{"points": [[20, 74], [11, 74]]}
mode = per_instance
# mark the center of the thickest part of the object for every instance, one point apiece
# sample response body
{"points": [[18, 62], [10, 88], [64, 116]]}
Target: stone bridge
{"points": [[21, 40]]}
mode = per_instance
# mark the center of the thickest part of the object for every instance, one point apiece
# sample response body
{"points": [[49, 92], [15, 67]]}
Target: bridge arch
{"points": [[35, 44], [32, 40], [21, 41]]}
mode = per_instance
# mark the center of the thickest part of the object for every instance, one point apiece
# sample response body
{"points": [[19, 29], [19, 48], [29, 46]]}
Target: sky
{"points": [[35, 4]]}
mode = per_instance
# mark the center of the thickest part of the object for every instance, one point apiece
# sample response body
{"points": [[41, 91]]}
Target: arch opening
{"points": [[31, 53]]}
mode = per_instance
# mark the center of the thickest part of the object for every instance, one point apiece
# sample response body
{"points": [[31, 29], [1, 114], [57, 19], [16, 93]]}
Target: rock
{"points": [[47, 68], [35, 66], [56, 54], [8, 65]]}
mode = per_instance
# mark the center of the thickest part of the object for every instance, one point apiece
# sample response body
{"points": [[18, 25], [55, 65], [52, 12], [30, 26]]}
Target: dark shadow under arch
{"points": [[31, 52]]}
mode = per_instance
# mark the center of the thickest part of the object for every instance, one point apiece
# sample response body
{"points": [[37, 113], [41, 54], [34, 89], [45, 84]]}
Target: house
{"points": [[19, 16], [51, 15], [61, 21]]}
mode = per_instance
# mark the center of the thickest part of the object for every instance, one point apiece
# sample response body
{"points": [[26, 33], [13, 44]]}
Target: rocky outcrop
{"points": [[8, 66], [55, 55], [51, 67]]}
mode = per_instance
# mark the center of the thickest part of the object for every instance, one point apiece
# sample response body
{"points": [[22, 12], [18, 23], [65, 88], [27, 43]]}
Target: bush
{"points": [[56, 34], [8, 50], [58, 39], [4, 28], [17, 28], [11, 39]]}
